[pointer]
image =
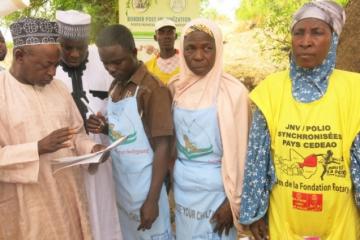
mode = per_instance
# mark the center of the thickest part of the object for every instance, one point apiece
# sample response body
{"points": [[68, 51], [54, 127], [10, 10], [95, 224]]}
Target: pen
{"points": [[91, 110]]}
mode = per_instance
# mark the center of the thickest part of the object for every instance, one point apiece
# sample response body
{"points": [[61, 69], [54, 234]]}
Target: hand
{"points": [[97, 124], [93, 167], [259, 229], [97, 148], [56, 140], [148, 214], [223, 218]]}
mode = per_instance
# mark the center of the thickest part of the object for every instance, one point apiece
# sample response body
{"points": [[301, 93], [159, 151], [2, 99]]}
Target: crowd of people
{"points": [[286, 168]]}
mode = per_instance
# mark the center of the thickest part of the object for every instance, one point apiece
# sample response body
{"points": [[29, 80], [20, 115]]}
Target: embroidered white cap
{"points": [[165, 22], [73, 24]]}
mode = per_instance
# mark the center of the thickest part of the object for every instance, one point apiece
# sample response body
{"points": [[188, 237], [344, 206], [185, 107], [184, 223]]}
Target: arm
{"points": [[18, 154], [159, 168], [19, 163], [158, 119], [259, 173], [355, 168], [150, 209]]}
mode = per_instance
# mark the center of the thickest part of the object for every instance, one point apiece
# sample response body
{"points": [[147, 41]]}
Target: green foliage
{"points": [[276, 25], [204, 5], [210, 13], [207, 12], [253, 10], [274, 18], [103, 12]]}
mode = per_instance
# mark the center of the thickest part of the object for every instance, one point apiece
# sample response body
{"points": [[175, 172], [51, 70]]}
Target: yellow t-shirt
{"points": [[310, 146], [154, 69]]}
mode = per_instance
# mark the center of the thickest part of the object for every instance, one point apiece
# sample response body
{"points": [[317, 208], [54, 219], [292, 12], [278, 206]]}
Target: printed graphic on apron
{"points": [[188, 146], [307, 167], [207, 236], [163, 236], [116, 134], [193, 213]]}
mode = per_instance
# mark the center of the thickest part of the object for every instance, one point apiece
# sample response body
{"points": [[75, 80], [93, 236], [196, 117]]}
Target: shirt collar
{"points": [[138, 75]]}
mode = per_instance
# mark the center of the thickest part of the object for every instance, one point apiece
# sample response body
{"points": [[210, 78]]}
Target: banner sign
{"points": [[140, 16]]}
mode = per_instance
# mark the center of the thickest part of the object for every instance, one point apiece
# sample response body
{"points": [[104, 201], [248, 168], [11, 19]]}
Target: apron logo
{"points": [[126, 122], [187, 146], [308, 166], [115, 135], [208, 236], [194, 213], [191, 151], [162, 236]]}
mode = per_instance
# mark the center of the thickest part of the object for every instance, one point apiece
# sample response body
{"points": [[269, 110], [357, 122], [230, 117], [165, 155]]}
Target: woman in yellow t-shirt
{"points": [[303, 167]]}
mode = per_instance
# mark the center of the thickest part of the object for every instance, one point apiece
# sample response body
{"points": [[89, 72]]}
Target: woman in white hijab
{"points": [[211, 122], [303, 167]]}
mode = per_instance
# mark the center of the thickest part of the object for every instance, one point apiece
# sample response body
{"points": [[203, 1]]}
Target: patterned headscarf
{"points": [[199, 27], [311, 84], [327, 11], [212, 79]]}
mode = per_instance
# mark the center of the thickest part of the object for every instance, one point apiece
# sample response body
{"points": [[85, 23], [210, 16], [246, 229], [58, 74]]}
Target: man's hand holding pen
{"points": [[97, 124]]}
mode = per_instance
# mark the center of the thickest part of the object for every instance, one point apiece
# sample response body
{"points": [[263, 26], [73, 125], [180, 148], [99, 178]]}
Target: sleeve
{"points": [[172, 84], [158, 113], [355, 168], [259, 172], [19, 163]]}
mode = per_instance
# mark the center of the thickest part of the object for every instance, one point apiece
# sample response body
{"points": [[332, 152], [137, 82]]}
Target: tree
{"points": [[349, 51], [103, 12]]}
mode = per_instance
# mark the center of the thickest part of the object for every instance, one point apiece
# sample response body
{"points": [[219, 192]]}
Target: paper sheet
{"points": [[66, 162]]}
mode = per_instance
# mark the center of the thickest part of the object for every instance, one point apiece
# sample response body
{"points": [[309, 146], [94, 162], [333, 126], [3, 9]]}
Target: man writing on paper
{"points": [[139, 108], [86, 78], [39, 122]]}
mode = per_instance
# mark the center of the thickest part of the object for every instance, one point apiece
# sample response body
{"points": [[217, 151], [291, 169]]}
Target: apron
{"points": [[132, 169], [198, 185]]}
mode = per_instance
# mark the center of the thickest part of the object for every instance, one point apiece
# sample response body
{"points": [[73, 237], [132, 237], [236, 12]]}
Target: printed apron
{"points": [[198, 185], [132, 170]]}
